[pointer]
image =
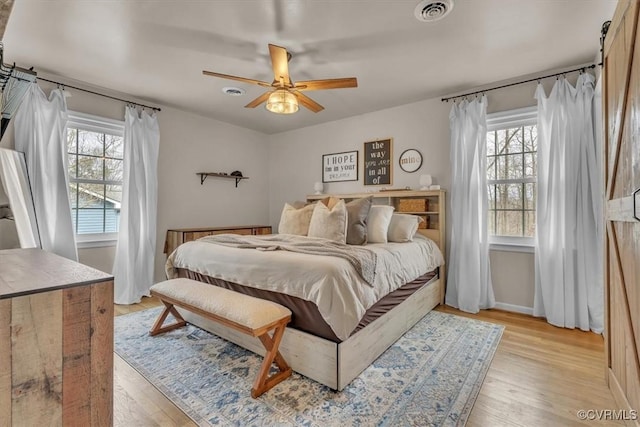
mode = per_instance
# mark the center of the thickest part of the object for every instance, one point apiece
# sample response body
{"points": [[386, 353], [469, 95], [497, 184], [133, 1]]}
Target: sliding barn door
{"points": [[622, 177]]}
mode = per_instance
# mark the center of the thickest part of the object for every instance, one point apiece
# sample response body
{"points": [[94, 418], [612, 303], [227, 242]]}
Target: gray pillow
{"points": [[357, 212]]}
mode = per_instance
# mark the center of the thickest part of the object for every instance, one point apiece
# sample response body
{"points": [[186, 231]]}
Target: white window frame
{"points": [[99, 124], [511, 118]]}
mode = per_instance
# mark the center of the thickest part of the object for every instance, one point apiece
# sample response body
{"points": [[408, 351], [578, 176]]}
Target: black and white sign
{"points": [[340, 167], [378, 167], [410, 160]]}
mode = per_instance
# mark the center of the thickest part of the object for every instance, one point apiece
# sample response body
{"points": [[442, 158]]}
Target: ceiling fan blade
{"points": [[308, 102], [259, 100], [280, 64], [326, 84], [240, 79]]}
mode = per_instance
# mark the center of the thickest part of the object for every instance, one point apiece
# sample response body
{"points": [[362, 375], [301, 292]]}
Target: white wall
{"points": [[512, 274], [190, 144], [296, 156]]}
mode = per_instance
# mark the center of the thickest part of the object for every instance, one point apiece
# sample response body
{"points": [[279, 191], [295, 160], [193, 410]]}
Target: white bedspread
{"points": [[331, 283]]}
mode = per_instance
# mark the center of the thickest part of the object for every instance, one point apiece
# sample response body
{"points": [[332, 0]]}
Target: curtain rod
{"points": [[100, 94], [581, 69]]}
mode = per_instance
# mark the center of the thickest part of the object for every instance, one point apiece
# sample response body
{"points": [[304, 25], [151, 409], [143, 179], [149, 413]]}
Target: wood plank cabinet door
{"points": [[621, 99]]}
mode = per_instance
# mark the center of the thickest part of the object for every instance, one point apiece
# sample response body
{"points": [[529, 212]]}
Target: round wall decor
{"points": [[410, 160]]}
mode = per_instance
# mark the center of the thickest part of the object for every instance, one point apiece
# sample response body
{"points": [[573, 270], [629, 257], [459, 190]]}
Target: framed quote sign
{"points": [[410, 160], [378, 165], [340, 167]]}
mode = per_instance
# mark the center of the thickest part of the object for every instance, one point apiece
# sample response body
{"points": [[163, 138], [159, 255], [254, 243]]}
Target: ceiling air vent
{"points": [[233, 91], [433, 10]]}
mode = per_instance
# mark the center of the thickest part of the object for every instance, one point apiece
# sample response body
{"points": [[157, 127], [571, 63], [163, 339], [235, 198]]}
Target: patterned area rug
{"points": [[429, 377]]}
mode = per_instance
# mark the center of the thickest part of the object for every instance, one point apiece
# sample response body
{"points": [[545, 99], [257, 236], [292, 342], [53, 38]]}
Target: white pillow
{"points": [[329, 223], [378, 223], [403, 227], [295, 221]]}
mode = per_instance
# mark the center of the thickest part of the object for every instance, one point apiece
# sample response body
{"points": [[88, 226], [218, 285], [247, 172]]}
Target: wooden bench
{"points": [[253, 316]]}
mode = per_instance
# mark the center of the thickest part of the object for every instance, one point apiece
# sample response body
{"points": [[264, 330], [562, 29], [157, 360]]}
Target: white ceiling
{"points": [[156, 50]]}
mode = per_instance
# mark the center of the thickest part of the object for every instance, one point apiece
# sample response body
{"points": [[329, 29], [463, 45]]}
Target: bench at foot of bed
{"points": [[252, 316]]}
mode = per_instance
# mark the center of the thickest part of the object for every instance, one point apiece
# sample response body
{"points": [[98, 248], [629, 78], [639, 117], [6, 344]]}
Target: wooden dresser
{"points": [[178, 236], [56, 341]]}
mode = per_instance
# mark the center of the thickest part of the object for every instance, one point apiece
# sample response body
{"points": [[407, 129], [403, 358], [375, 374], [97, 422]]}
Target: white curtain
{"points": [[40, 134], [135, 251], [469, 286], [568, 259]]}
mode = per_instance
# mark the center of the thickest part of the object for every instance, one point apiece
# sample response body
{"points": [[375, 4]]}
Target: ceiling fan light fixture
{"points": [[282, 101], [284, 97]]}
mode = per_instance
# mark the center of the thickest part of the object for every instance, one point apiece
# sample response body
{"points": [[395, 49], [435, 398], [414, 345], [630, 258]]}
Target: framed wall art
{"points": [[410, 160], [378, 164], [340, 167]]}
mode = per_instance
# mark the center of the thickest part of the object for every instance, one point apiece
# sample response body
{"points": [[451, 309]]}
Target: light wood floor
{"points": [[540, 376]]}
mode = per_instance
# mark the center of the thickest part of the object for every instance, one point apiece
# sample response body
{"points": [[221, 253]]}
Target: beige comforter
{"points": [[363, 260], [330, 282]]}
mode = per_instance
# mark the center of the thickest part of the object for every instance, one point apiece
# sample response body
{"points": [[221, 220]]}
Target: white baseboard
{"points": [[515, 308]]}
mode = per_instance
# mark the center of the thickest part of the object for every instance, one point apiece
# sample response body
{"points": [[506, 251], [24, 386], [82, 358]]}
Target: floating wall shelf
{"points": [[204, 175]]}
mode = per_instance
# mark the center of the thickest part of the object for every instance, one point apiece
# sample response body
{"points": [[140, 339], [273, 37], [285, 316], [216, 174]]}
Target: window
{"points": [[511, 176], [95, 164]]}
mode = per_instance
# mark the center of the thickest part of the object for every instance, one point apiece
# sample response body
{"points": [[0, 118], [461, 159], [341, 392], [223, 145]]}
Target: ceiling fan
{"points": [[286, 95]]}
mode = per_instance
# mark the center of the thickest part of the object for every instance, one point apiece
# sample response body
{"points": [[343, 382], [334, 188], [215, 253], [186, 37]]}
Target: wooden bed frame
{"points": [[337, 364]]}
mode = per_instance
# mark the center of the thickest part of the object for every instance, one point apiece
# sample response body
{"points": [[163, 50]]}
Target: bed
{"points": [[343, 319]]}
